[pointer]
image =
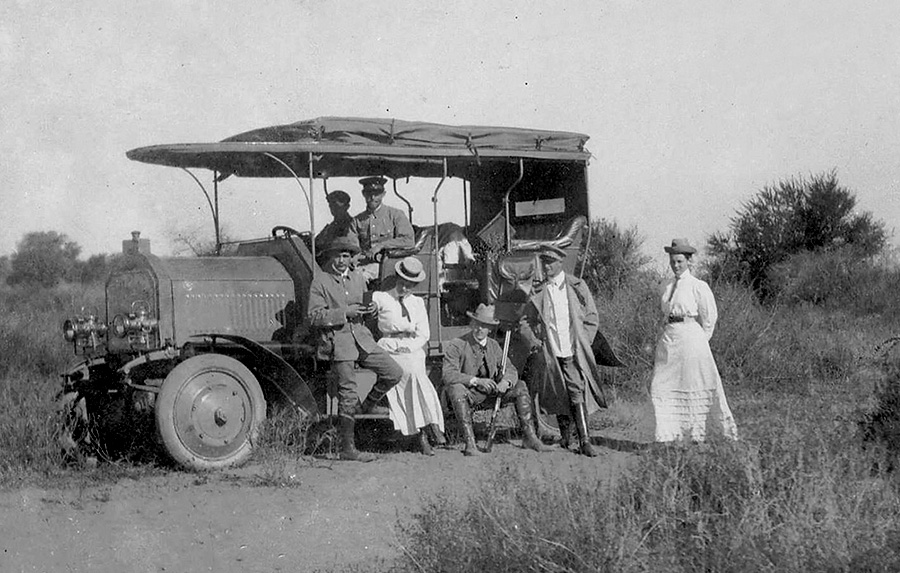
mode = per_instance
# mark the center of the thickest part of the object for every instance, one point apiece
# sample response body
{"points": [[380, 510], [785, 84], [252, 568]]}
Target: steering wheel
{"points": [[287, 231]]}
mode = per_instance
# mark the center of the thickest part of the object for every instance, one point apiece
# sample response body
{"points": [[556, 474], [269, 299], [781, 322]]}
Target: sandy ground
{"points": [[332, 515]]}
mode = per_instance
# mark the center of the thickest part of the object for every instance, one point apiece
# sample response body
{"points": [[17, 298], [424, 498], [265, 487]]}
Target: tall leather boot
{"points": [[526, 422], [464, 416], [439, 439], [584, 437], [348, 442], [370, 404], [565, 430], [424, 444]]}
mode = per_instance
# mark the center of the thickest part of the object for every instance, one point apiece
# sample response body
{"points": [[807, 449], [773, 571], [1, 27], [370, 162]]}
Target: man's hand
{"points": [[503, 387], [486, 385], [355, 310]]}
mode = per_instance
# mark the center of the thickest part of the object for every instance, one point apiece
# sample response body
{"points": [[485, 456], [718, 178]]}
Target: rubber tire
{"points": [[203, 383]]}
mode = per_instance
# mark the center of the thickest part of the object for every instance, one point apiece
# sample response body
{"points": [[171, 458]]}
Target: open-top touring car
{"points": [[206, 343]]}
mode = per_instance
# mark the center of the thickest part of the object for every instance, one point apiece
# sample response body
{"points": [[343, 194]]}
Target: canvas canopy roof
{"points": [[347, 146]]}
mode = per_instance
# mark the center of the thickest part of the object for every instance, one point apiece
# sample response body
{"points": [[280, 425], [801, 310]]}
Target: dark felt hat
{"points": [[347, 243], [552, 252], [372, 184], [680, 247], [484, 314], [410, 269], [338, 196]]}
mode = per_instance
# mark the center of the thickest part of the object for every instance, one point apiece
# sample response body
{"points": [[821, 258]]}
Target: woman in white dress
{"points": [[403, 322], [686, 390]]}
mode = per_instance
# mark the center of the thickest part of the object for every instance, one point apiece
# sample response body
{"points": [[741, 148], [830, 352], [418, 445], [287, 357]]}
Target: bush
{"points": [[614, 257], [715, 507], [793, 216]]}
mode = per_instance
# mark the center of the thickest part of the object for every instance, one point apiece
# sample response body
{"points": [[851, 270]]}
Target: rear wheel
{"points": [[209, 411]]}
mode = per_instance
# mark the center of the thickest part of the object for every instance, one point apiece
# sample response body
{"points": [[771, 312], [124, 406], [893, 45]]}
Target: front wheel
{"points": [[209, 411]]}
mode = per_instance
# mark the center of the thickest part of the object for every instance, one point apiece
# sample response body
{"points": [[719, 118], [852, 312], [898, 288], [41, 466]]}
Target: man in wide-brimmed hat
{"points": [[560, 325], [336, 309], [471, 373], [380, 226]]}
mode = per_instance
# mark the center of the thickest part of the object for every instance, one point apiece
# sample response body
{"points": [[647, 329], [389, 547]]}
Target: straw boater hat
{"points": [[410, 269], [343, 243], [680, 247], [372, 185], [484, 314]]}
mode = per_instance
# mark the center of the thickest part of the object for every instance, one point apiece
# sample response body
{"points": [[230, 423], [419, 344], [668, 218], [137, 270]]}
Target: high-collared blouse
{"points": [[692, 298]]}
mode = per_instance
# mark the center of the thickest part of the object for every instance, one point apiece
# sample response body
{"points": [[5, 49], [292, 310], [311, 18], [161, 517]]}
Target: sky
{"points": [[692, 106]]}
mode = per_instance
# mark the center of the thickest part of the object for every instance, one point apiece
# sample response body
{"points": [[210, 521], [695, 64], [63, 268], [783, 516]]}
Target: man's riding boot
{"points": [[348, 442], [370, 404], [529, 437], [565, 430], [464, 417], [584, 436]]}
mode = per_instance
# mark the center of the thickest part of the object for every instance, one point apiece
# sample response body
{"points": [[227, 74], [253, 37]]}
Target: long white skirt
{"points": [[686, 390], [414, 402]]}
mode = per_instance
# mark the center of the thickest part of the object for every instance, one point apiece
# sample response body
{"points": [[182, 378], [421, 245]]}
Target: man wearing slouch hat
{"points": [[337, 311], [560, 325]]}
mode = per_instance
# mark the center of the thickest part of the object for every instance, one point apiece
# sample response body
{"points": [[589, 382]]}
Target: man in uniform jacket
{"points": [[337, 311], [379, 227], [559, 325], [471, 371]]}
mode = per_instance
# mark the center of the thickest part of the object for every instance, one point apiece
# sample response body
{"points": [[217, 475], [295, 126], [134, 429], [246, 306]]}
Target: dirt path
{"points": [[334, 514]]}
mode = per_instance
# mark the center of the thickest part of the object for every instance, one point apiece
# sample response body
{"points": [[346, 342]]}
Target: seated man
{"points": [[470, 371], [339, 205], [379, 227], [337, 311]]}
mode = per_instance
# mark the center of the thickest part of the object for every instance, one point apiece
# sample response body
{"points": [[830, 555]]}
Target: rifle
{"points": [[492, 431]]}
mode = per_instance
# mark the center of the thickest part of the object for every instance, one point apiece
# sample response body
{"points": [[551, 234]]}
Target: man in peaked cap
{"points": [[471, 371], [340, 226], [337, 311], [379, 227], [560, 325]]}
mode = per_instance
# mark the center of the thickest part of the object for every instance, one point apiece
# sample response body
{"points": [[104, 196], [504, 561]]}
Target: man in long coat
{"points": [[337, 311], [471, 374], [559, 324]]}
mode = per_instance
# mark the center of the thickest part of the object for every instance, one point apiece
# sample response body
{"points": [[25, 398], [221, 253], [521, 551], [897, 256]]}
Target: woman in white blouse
{"points": [[403, 322], [686, 390]]}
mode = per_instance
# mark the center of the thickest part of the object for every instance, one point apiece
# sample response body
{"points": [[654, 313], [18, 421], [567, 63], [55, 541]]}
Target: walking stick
{"points": [[492, 430]]}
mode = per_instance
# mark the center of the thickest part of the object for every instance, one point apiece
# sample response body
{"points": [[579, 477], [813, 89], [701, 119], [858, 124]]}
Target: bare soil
{"points": [[328, 515]]}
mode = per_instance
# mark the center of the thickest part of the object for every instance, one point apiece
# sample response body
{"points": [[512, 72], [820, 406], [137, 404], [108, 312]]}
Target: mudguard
{"points": [[279, 373]]}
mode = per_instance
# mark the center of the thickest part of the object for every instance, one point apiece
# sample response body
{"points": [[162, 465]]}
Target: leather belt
{"points": [[399, 335], [670, 319]]}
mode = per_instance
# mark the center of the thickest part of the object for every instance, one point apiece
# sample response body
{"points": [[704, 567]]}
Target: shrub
{"points": [[793, 216], [784, 506], [614, 257]]}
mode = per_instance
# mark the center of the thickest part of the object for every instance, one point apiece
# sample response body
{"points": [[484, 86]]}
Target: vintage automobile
{"points": [[206, 344]]}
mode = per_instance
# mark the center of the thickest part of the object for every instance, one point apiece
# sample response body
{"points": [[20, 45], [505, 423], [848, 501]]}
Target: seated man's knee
{"points": [[456, 392]]}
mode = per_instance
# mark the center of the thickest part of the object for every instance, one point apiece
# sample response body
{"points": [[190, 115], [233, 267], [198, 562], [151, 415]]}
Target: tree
{"points": [[43, 258], [793, 216], [614, 256]]}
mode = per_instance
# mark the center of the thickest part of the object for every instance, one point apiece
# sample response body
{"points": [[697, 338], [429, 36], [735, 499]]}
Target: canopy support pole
{"points": [[506, 204], [312, 221], [434, 240], [409, 206], [213, 205]]}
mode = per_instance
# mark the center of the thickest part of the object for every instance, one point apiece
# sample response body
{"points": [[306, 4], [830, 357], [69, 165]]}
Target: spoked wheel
{"points": [[209, 411]]}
